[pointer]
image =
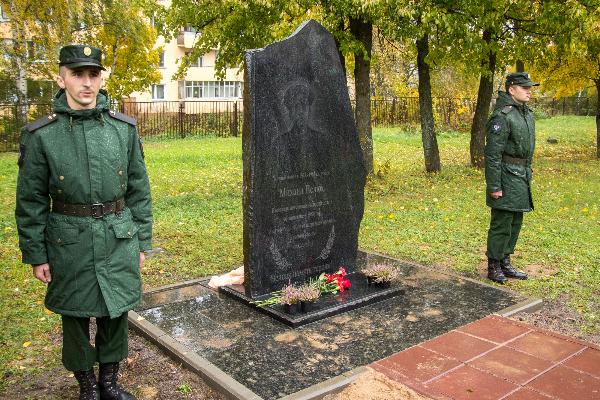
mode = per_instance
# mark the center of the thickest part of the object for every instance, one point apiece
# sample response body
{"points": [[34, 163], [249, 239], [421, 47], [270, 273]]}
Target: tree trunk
{"points": [[430, 146], [19, 64], [363, 31], [482, 108], [597, 82], [520, 66]]}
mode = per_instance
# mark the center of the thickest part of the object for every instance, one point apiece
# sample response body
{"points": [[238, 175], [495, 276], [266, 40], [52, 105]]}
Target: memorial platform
{"points": [[248, 355]]}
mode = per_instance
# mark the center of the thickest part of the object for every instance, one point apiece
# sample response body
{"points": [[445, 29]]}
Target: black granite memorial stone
{"points": [[304, 174]]}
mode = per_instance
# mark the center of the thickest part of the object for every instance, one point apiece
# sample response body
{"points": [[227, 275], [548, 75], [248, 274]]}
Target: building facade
{"points": [[200, 82]]}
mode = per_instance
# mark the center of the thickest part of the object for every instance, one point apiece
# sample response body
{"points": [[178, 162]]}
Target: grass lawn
{"points": [[438, 219]]}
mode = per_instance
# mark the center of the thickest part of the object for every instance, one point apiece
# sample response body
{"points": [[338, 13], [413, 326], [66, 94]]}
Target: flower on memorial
{"points": [[290, 294], [381, 273], [333, 283], [309, 292]]}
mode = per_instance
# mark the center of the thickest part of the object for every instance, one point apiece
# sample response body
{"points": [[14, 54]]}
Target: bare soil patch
{"points": [[147, 373], [373, 385], [557, 316]]}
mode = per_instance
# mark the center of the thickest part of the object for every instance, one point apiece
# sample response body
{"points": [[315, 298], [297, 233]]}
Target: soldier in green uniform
{"points": [[510, 142], [84, 217]]}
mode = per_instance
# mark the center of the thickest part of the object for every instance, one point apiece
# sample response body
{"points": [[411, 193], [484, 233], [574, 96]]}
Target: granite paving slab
{"points": [[272, 360]]}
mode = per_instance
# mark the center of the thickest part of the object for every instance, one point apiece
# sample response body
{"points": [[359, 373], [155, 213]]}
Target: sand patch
{"points": [[373, 385]]}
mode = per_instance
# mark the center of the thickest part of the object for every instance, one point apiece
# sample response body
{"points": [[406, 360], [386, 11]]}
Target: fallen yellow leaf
{"points": [[26, 344]]}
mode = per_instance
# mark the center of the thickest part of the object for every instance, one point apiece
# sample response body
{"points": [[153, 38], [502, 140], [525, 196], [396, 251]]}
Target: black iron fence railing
{"points": [[179, 119]]}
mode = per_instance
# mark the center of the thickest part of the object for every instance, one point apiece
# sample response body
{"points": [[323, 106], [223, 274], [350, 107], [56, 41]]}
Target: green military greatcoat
{"points": [[84, 157], [510, 143]]}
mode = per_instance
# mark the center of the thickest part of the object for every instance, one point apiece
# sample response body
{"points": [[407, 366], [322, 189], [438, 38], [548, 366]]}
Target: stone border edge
{"points": [[329, 386], [528, 306], [213, 376]]}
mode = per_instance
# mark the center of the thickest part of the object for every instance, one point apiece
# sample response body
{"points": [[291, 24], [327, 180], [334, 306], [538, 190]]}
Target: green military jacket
{"points": [[510, 142], [84, 157]]}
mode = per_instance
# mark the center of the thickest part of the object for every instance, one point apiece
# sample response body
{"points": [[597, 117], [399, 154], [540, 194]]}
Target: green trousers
{"points": [[503, 233], [78, 354]]}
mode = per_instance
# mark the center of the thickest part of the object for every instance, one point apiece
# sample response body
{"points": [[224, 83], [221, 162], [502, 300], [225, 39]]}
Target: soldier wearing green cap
{"points": [[83, 212], [510, 142]]}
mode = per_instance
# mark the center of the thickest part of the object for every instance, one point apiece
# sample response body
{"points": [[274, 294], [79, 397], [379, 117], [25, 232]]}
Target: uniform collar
{"points": [[505, 99], [61, 105]]}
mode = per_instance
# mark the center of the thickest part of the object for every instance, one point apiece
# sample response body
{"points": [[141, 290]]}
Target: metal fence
{"points": [[174, 119], [566, 105], [448, 112], [178, 119]]}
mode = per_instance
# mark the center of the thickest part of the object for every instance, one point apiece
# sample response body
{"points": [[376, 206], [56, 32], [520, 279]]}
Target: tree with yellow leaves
{"points": [[122, 29], [572, 63]]}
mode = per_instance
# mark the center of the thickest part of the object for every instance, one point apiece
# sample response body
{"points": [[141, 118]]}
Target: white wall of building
{"points": [[200, 83]]}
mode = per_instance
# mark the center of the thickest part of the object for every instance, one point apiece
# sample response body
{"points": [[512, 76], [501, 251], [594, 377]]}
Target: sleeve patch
{"points": [[497, 125]]}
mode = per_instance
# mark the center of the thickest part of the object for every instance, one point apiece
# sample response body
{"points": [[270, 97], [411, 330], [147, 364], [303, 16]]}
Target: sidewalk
{"points": [[497, 358]]}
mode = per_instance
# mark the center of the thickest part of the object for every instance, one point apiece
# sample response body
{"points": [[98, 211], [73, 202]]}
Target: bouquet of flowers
{"points": [[290, 294], [333, 283]]}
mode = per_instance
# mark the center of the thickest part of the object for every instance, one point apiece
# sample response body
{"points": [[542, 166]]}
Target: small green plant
{"points": [[184, 388]]}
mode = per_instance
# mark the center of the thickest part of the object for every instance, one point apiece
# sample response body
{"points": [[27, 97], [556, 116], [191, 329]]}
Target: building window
{"points": [[212, 89], [194, 62], [189, 28], [161, 60], [158, 92]]}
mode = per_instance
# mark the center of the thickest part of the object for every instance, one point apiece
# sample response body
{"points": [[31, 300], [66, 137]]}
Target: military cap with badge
{"points": [[77, 56], [520, 79]]}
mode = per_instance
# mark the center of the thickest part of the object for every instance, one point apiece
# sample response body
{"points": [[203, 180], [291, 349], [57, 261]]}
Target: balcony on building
{"points": [[187, 37]]}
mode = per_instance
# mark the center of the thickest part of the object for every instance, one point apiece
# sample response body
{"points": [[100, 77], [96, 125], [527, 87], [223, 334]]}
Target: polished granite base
{"points": [[274, 360], [360, 294]]}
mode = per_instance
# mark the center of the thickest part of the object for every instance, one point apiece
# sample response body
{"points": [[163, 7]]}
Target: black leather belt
{"points": [[513, 160], [97, 210]]}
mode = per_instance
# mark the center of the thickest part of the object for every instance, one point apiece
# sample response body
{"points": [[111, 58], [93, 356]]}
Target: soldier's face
{"points": [[522, 94], [81, 86]]}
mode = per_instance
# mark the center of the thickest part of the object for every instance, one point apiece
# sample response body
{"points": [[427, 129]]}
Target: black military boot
{"points": [[495, 271], [88, 386], [109, 390], [511, 272]]}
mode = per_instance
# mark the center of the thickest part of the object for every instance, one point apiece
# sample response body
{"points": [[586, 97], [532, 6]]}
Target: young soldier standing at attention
{"points": [[84, 217]]}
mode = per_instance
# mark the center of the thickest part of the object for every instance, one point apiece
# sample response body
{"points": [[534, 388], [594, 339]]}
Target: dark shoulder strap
{"points": [[506, 109], [40, 122], [122, 117]]}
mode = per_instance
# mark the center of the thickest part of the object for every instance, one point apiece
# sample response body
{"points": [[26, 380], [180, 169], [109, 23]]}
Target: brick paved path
{"points": [[496, 358]]}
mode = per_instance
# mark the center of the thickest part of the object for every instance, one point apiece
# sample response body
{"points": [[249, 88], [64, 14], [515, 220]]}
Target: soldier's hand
{"points": [[42, 272], [142, 258], [496, 195]]}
